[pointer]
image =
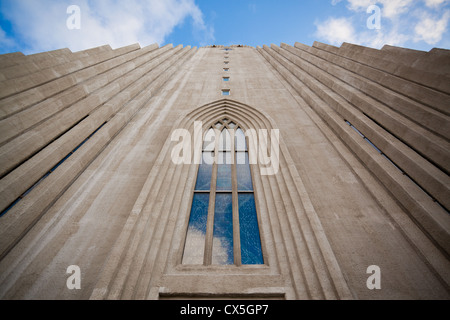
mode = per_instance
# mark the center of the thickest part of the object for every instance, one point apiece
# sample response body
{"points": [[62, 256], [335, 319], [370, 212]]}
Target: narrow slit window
{"points": [[194, 248], [205, 172], [249, 236], [226, 92], [224, 182], [222, 253], [224, 199]]}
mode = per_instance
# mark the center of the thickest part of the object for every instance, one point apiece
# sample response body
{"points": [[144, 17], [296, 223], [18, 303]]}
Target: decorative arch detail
{"points": [[298, 260]]}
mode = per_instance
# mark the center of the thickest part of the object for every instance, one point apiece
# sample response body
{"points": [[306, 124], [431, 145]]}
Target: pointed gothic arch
{"points": [[223, 225], [298, 260]]}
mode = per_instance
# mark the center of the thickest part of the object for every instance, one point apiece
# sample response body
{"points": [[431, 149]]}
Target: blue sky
{"points": [[32, 26]]}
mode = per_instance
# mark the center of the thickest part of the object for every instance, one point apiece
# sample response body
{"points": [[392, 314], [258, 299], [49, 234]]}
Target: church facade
{"points": [[277, 172]]}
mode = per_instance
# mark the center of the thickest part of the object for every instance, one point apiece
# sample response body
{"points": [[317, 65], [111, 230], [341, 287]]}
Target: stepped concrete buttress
{"points": [[86, 176]]}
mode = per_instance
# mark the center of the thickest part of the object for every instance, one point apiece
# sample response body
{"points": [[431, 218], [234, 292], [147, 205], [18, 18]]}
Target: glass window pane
{"points": [[223, 230], [195, 239], [244, 176], [224, 157], [207, 158], [251, 252], [240, 143], [225, 141], [205, 172], [224, 171], [242, 157], [209, 142]]}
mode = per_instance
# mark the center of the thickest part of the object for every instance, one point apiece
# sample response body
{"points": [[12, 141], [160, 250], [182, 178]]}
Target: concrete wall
{"points": [[118, 207]]}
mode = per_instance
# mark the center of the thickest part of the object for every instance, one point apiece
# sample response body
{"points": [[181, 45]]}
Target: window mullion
{"points": [[236, 230], [212, 202], [220, 230]]}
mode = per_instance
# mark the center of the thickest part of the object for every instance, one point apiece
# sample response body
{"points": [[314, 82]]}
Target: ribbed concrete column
{"points": [[112, 106], [318, 82]]}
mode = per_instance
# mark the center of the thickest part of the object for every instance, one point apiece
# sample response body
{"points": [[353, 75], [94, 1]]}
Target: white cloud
{"points": [[434, 3], [390, 8], [403, 22], [381, 38], [5, 41], [357, 5], [42, 24], [431, 30], [336, 31]]}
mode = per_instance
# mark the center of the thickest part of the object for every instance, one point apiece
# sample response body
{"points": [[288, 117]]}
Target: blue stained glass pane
{"points": [[204, 172], [195, 239], [251, 252], [244, 176], [224, 172], [223, 230]]}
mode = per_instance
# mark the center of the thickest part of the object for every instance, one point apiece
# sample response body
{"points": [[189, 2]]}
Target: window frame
{"points": [[209, 236]]}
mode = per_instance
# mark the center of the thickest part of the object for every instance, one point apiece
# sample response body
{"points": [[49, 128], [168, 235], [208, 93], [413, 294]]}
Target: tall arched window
{"points": [[223, 225]]}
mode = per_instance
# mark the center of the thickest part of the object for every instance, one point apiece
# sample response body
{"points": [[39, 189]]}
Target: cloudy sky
{"points": [[32, 26]]}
